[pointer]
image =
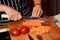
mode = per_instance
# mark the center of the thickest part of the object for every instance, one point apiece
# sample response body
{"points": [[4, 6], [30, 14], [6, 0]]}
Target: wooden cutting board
{"points": [[54, 33]]}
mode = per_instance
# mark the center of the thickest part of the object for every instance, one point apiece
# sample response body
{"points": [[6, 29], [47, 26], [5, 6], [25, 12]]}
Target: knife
{"points": [[39, 37], [30, 18], [30, 38], [38, 18], [4, 19]]}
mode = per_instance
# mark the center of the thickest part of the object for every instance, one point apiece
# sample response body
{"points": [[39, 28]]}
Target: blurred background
{"points": [[50, 7]]}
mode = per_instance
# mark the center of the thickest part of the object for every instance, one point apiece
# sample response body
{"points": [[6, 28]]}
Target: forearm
{"points": [[37, 2]]}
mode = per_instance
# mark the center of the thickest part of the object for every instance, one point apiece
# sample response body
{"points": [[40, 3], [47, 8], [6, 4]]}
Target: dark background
{"points": [[50, 7]]}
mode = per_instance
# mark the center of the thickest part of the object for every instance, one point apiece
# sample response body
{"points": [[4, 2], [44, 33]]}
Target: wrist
{"points": [[38, 4]]}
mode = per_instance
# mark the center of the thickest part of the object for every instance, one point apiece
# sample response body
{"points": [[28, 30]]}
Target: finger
{"points": [[12, 18], [34, 13], [9, 17], [38, 13], [41, 11], [15, 17], [20, 17]]}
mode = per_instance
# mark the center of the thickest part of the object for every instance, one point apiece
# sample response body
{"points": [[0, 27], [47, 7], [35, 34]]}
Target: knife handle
{"points": [[3, 15], [3, 19]]}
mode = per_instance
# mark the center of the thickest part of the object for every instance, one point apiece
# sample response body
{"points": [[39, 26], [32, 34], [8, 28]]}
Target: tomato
{"points": [[15, 32], [24, 30]]}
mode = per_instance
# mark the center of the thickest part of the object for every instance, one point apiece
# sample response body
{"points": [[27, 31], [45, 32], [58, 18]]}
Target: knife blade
{"points": [[30, 38], [38, 18], [39, 37]]}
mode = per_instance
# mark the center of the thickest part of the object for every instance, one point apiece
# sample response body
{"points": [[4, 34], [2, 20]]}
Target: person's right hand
{"points": [[13, 14]]}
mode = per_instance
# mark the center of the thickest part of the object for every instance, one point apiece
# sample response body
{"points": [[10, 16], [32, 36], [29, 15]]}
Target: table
{"points": [[54, 33]]}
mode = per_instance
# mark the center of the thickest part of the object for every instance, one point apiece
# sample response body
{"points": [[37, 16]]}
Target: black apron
{"points": [[19, 5]]}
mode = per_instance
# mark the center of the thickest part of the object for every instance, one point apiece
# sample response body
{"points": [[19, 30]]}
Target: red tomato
{"points": [[24, 30], [15, 32]]}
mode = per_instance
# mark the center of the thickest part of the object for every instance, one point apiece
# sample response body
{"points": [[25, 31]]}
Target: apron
{"points": [[19, 5]]}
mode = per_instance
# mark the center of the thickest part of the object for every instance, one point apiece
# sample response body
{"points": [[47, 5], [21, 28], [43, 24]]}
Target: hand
{"points": [[13, 14], [37, 11]]}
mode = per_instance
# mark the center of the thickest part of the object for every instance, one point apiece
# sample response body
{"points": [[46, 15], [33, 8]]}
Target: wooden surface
{"points": [[54, 33]]}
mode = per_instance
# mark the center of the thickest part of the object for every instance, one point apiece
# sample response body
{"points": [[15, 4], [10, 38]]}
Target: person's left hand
{"points": [[37, 11]]}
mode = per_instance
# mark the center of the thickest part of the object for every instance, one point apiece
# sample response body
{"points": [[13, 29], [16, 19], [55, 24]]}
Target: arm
{"points": [[2, 7], [37, 10], [37, 2]]}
